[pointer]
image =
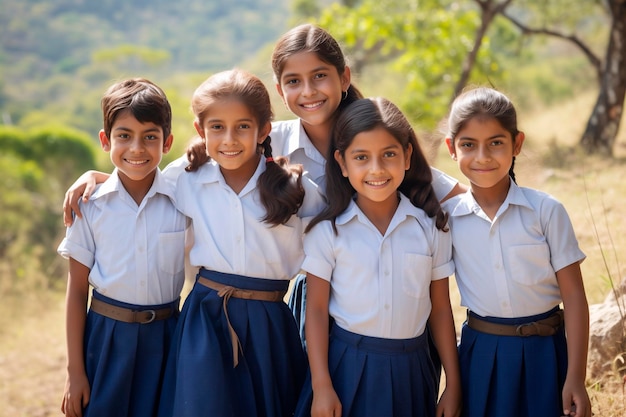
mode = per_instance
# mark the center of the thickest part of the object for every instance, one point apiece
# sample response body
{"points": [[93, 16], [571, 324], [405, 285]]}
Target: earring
{"points": [[344, 95]]}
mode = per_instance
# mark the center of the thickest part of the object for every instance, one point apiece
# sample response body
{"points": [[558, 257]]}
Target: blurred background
{"points": [[562, 62]]}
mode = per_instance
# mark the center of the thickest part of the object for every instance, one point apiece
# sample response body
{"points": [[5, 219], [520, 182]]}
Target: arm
{"points": [[77, 391], [325, 400], [442, 327], [576, 312], [458, 189], [82, 187]]}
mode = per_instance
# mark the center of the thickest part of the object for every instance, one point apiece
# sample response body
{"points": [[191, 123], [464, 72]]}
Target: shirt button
{"points": [[386, 273], [386, 306]]}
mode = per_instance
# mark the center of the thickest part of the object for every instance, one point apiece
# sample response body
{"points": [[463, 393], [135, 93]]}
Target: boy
{"points": [[129, 246]]}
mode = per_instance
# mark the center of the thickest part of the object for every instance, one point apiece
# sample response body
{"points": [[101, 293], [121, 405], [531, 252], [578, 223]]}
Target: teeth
{"points": [[377, 182], [230, 153], [312, 105], [137, 162]]}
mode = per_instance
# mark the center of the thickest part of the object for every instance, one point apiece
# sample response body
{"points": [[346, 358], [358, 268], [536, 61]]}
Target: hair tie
{"points": [[269, 159]]}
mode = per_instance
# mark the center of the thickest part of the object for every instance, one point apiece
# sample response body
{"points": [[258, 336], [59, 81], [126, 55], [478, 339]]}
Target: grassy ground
{"points": [[32, 341]]}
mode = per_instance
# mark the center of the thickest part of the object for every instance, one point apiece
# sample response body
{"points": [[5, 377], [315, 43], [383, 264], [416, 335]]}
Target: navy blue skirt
{"points": [[125, 362], [297, 304], [512, 376], [200, 378], [378, 377]]}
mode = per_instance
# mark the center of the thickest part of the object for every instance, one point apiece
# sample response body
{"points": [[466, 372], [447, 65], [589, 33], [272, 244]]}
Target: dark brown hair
{"points": [[142, 98], [362, 116], [280, 185], [483, 103], [311, 38]]}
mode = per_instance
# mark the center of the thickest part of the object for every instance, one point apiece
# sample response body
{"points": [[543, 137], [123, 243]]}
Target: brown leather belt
{"points": [[226, 291], [545, 327], [131, 316]]}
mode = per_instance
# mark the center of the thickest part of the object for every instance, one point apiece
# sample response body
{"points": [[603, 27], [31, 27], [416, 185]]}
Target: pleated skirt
{"points": [[375, 377], [200, 378], [297, 304], [512, 376], [125, 362]]}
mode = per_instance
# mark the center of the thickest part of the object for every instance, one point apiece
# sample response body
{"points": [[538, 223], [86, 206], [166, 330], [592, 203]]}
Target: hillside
{"points": [[60, 55]]}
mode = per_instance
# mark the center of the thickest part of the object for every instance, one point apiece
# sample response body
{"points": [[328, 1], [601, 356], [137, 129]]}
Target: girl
{"points": [[521, 261], [236, 350], [314, 81], [377, 260]]}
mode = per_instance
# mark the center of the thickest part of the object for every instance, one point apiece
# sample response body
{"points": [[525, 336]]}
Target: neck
{"points": [[319, 135], [379, 213], [137, 189], [490, 199]]}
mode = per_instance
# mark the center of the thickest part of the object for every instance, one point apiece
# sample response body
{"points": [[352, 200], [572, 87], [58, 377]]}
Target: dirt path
{"points": [[32, 357]]}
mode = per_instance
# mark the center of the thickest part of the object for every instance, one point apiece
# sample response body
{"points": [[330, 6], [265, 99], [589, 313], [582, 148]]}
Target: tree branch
{"points": [[591, 57]]}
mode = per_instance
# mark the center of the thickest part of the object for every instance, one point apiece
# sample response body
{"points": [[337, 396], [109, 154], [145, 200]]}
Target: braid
{"points": [[280, 187]]}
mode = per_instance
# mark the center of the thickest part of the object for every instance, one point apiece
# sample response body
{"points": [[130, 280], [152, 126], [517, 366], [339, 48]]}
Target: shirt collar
{"points": [[210, 173], [466, 204], [114, 185], [404, 210]]}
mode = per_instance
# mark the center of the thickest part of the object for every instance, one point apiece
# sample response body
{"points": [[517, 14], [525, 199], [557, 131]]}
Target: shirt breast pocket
{"points": [[172, 252], [530, 264], [416, 275]]}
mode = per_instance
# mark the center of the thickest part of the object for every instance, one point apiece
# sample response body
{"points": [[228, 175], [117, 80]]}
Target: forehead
{"points": [[373, 140], [230, 109], [127, 121], [304, 63], [482, 128]]}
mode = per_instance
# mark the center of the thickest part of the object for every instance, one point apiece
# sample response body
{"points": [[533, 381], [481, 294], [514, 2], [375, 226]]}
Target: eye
{"points": [[319, 76], [466, 145], [123, 136], [244, 126], [152, 137], [291, 81], [497, 142], [390, 154], [215, 126], [360, 157]]}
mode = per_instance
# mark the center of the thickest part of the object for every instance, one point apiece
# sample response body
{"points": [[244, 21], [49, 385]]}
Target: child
{"points": [[516, 259], [378, 260], [237, 350], [314, 82], [129, 245]]}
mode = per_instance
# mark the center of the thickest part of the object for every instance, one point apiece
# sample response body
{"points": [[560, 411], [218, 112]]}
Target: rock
{"points": [[607, 335]]}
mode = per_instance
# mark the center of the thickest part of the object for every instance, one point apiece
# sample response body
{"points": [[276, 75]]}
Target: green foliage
{"points": [[36, 167]]}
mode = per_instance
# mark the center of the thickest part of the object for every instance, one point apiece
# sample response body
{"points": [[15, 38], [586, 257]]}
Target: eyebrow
{"points": [[250, 120], [387, 148], [314, 70], [499, 135], [127, 129]]}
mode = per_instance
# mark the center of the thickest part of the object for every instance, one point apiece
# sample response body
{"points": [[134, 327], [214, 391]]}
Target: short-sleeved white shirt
{"points": [[135, 253], [506, 267], [380, 285], [229, 233], [289, 139]]}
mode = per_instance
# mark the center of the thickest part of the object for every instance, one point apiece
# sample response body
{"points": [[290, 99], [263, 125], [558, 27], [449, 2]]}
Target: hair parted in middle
{"points": [[280, 185], [362, 116]]}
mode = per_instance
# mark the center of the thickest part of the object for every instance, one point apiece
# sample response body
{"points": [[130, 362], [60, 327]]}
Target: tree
{"points": [[603, 124]]}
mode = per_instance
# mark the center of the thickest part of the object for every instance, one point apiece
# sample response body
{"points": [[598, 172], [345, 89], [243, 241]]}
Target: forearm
{"points": [[317, 331], [443, 331]]}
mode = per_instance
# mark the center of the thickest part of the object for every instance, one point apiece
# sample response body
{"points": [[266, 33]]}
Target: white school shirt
{"points": [[380, 285], [229, 233], [506, 267], [135, 253]]}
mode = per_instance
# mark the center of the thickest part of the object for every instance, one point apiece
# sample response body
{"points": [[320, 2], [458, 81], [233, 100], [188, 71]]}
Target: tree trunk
{"points": [[603, 125]]}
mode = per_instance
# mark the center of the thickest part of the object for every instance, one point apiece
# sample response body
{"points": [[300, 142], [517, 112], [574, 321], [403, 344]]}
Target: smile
{"points": [[230, 153], [313, 105], [377, 183], [144, 161]]}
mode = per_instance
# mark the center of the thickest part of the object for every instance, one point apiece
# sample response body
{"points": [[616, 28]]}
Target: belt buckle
{"points": [[152, 316], [519, 330]]}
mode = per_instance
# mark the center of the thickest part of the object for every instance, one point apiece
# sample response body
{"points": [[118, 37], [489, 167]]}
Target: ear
{"points": [[264, 132], [519, 141], [450, 146], [105, 143], [407, 157], [199, 128], [167, 145], [341, 162], [345, 79], [280, 91]]}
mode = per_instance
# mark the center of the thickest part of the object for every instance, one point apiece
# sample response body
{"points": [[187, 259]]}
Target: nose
{"points": [[308, 89], [229, 137], [376, 165], [136, 145], [483, 154]]}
